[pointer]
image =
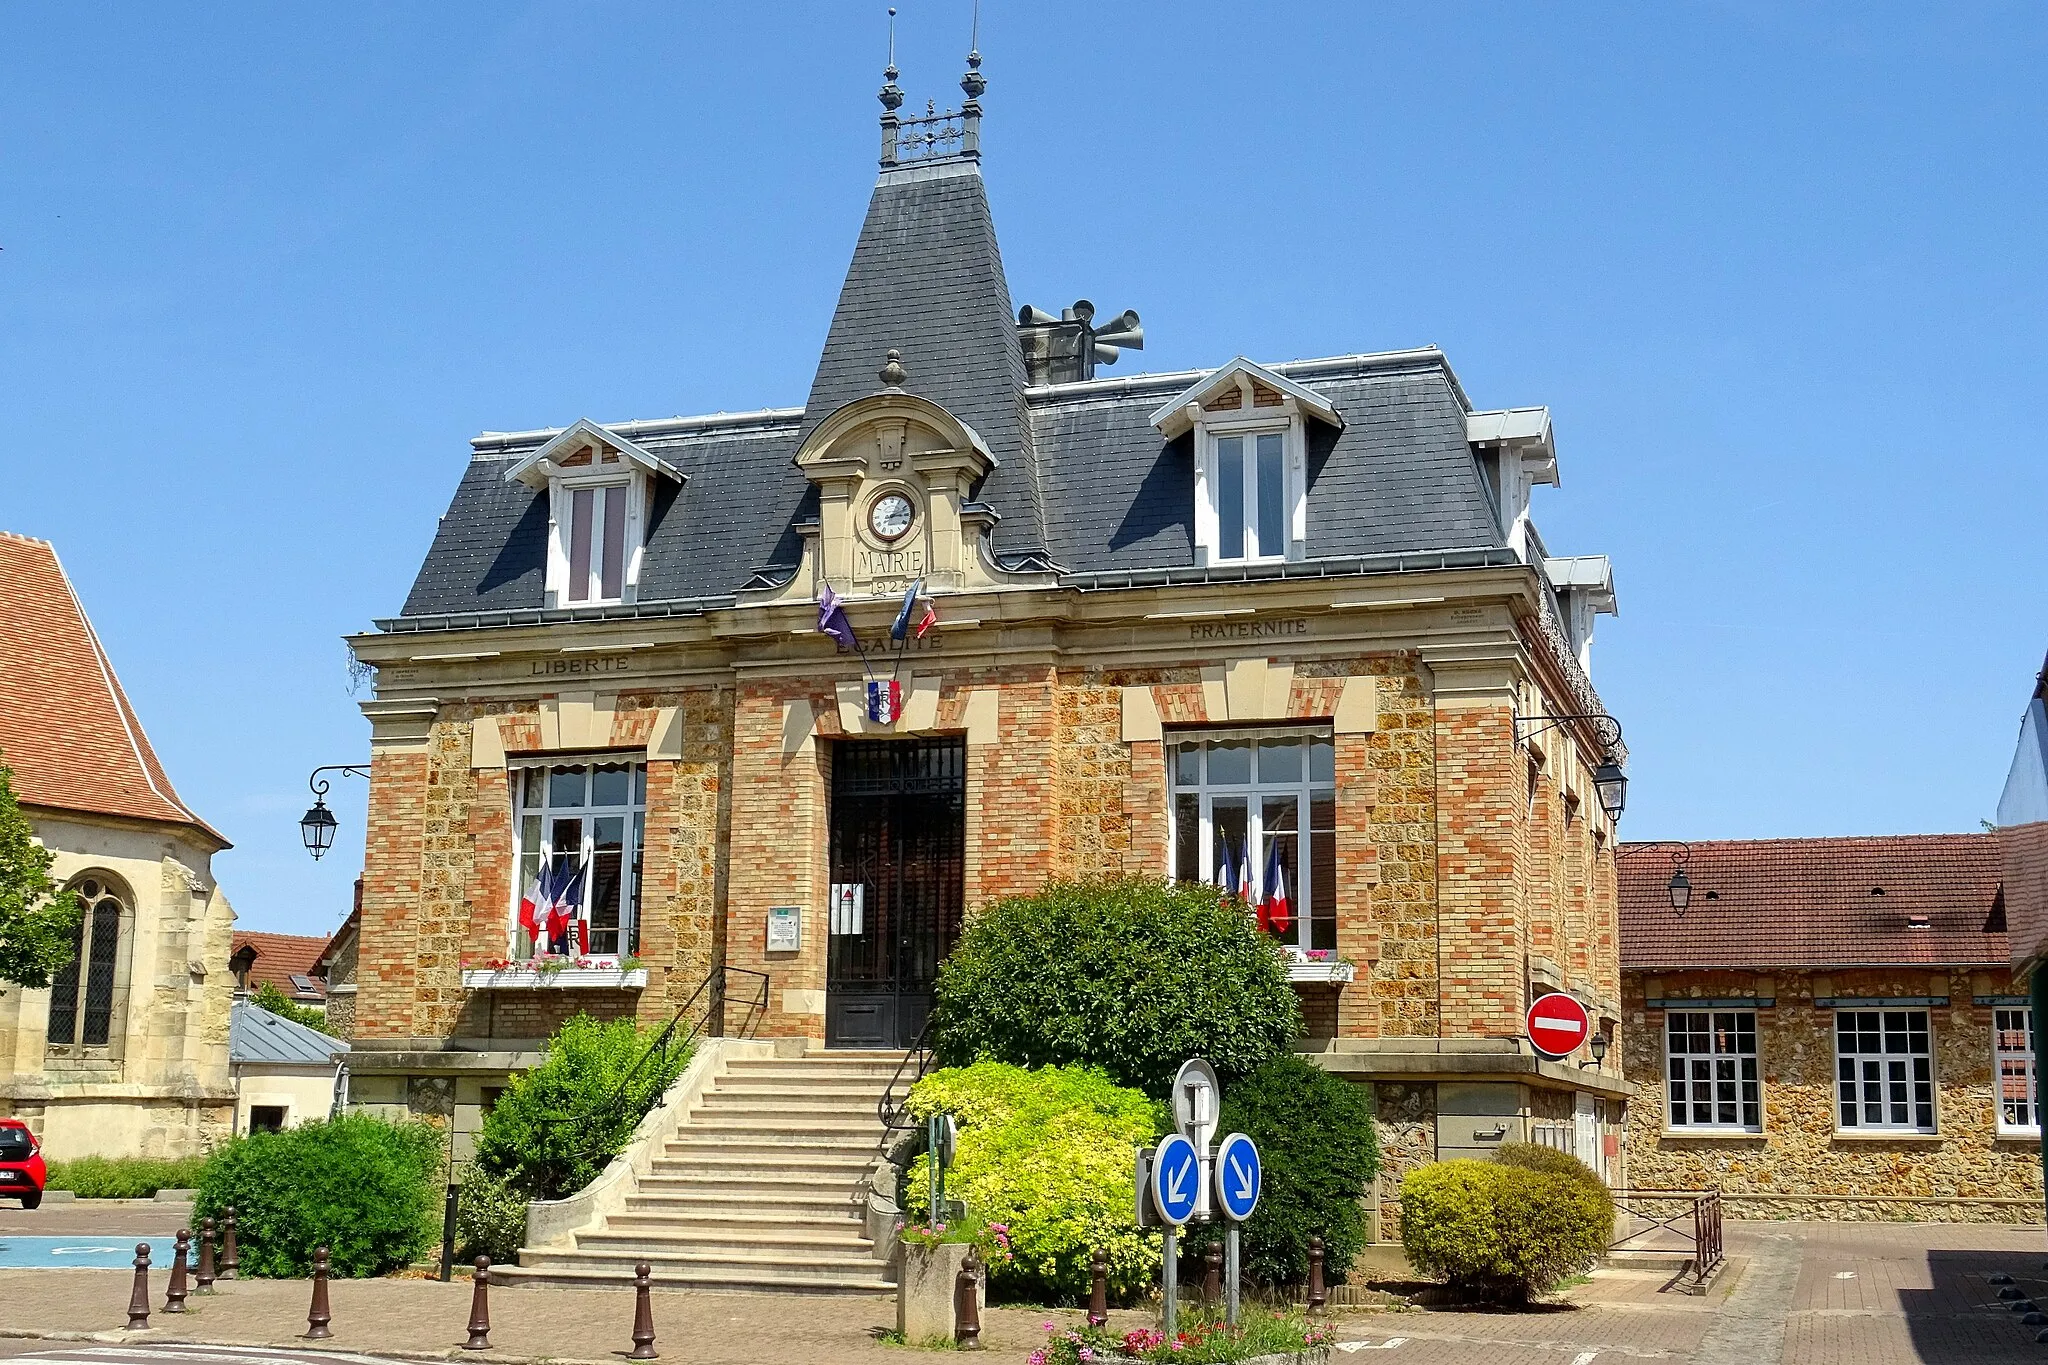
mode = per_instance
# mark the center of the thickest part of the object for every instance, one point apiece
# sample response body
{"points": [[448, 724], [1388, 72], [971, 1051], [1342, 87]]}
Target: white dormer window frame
{"points": [[1223, 436], [1235, 487], [599, 485]]}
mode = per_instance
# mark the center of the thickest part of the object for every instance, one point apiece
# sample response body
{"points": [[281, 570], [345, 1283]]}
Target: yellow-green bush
{"points": [[1048, 1153], [1501, 1231]]}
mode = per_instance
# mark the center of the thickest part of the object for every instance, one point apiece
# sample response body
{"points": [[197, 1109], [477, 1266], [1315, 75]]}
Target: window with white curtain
{"points": [[1257, 811]]}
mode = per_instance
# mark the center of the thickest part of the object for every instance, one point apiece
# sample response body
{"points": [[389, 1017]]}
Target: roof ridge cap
{"points": [[26, 539]]}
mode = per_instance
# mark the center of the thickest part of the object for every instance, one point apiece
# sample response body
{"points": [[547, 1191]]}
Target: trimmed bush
{"points": [[269, 997], [366, 1189], [490, 1220], [1131, 976], [125, 1177], [554, 1129], [1319, 1153], [1048, 1153], [1502, 1231]]}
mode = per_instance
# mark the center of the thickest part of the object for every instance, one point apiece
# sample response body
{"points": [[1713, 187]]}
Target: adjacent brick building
{"points": [[1249, 622], [1829, 1029], [126, 1052]]}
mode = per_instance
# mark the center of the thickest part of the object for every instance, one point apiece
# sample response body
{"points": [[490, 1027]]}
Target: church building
{"points": [[1286, 626]]}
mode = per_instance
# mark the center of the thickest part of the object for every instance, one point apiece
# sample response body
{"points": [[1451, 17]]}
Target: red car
{"points": [[21, 1164]]}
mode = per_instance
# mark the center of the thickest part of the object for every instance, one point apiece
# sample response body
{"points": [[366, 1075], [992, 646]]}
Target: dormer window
{"points": [[599, 487], [1251, 459]]}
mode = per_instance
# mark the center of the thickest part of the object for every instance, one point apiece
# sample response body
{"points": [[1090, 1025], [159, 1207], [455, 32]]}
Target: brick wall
{"points": [[1799, 1166], [1481, 841]]}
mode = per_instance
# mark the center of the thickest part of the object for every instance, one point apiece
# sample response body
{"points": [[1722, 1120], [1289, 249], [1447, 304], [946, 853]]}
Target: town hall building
{"points": [[1250, 621]]}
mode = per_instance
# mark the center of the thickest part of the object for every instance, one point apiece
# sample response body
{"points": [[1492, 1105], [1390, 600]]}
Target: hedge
{"points": [[1504, 1230], [125, 1177], [1132, 976], [1048, 1153]]}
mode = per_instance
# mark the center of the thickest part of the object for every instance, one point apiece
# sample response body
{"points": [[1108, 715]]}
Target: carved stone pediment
{"points": [[870, 460]]}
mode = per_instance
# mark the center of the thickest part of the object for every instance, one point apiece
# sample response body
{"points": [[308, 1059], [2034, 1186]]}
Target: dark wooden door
{"points": [[899, 840]]}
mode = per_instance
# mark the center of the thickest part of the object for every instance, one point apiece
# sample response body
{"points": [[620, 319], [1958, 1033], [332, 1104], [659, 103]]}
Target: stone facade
{"points": [[1802, 1164]]}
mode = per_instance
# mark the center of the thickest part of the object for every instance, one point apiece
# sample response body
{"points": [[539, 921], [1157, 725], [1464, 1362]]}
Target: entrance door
{"points": [[899, 839]]}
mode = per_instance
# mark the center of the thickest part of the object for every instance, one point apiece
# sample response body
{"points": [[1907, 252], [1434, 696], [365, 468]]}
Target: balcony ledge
{"points": [[568, 978]]}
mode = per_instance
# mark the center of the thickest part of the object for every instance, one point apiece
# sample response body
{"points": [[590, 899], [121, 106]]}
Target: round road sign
{"points": [[1238, 1176], [1176, 1179], [1558, 1023]]}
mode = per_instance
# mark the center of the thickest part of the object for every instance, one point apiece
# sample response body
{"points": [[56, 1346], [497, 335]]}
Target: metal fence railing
{"points": [[1691, 1216]]}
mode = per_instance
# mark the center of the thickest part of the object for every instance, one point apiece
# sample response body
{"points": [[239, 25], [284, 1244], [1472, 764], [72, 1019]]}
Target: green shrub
{"points": [[1132, 976], [1534, 1156], [1047, 1153], [366, 1189], [490, 1219], [1502, 1231], [554, 1128], [269, 997], [1318, 1153], [125, 1177]]}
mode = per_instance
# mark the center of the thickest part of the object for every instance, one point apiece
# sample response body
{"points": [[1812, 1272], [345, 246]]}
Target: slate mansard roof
{"points": [[1082, 480]]}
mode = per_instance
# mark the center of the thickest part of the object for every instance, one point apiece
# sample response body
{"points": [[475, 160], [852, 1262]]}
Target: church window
{"points": [[82, 991]]}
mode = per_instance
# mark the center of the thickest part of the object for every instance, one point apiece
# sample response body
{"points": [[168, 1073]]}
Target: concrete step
{"points": [[831, 1124], [821, 1204], [767, 1159], [657, 1186], [848, 1090], [793, 1248], [770, 1149], [736, 1221], [739, 1266]]}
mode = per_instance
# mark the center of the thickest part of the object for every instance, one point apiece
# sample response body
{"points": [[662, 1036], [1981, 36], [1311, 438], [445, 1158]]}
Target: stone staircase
{"points": [[760, 1188]]}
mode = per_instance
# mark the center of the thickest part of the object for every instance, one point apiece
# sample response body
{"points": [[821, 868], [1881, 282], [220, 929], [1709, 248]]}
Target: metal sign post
{"points": [[940, 1133], [1239, 1179], [1176, 1190], [1197, 1099]]}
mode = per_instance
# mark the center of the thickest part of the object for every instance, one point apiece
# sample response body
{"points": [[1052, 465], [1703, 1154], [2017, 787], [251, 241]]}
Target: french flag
{"points": [[535, 902], [1228, 875], [1274, 911], [565, 901]]}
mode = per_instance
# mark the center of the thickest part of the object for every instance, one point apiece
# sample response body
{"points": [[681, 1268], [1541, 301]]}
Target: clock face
{"points": [[891, 515]]}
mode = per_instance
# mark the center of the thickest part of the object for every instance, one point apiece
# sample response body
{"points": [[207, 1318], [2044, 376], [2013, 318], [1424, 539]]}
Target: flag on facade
{"points": [[1226, 871], [899, 629], [929, 619], [885, 701], [832, 619], [565, 902], [1274, 911], [534, 903]]}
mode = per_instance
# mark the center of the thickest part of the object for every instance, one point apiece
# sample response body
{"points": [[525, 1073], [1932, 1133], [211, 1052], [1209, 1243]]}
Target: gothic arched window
{"points": [[82, 992]]}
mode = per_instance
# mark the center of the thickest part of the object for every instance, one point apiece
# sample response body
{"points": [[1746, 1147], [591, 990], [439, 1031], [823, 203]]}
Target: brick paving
{"points": [[1832, 1294]]}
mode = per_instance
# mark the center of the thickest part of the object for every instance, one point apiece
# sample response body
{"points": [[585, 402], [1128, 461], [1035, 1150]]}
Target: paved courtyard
{"points": [[1800, 1294]]}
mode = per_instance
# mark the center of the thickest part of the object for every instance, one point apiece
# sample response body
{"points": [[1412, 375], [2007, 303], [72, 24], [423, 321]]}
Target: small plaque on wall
{"points": [[785, 928]]}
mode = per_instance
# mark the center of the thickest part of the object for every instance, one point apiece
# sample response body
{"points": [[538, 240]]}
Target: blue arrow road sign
{"points": [[1176, 1179], [1237, 1176]]}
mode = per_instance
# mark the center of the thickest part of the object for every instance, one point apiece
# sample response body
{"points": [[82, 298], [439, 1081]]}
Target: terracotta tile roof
{"points": [[279, 957], [66, 728], [1760, 903]]}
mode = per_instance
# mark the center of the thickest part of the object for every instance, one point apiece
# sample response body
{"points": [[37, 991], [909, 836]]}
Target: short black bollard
{"points": [[1098, 1288], [643, 1315], [480, 1308], [138, 1298], [318, 1316], [967, 1304], [1212, 1274], [205, 1279], [174, 1292], [2011, 1291], [1317, 1296], [230, 1259]]}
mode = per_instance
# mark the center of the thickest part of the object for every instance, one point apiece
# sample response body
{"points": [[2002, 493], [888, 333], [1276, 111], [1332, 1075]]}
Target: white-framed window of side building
{"points": [[1239, 801], [1252, 495], [1884, 1071], [2012, 1046], [1711, 1079], [591, 816]]}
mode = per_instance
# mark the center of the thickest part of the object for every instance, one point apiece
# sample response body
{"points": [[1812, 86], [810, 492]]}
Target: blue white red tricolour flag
{"points": [[1228, 875], [1274, 911], [885, 701], [565, 902], [900, 627], [534, 904]]}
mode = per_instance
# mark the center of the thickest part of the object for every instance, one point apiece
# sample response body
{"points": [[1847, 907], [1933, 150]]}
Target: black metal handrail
{"points": [[1668, 1211], [889, 1109]]}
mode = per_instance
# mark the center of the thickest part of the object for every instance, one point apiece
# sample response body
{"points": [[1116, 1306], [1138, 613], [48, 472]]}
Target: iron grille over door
{"points": [[899, 839]]}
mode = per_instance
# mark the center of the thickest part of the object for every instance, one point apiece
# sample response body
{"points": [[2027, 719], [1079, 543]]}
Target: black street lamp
{"points": [[1679, 888], [1610, 783], [317, 825]]}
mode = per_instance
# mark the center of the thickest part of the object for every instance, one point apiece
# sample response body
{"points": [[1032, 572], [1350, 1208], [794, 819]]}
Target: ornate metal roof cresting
{"points": [[936, 133]]}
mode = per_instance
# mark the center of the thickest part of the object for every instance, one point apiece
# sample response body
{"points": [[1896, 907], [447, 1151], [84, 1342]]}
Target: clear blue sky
{"points": [[1777, 270]]}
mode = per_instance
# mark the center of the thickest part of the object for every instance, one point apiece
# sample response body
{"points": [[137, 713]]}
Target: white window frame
{"points": [[1721, 1068], [1856, 1089], [524, 867], [2018, 1019], [562, 489], [1250, 423], [1302, 890]]}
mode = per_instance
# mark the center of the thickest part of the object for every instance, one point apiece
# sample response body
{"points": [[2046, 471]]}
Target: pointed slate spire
{"points": [[926, 281]]}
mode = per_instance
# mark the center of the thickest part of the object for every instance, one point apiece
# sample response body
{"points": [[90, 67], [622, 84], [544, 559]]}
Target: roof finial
{"points": [[891, 96], [974, 83], [892, 369]]}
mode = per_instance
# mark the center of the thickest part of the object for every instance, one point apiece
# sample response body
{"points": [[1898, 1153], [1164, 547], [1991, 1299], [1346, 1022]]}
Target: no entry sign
{"points": [[1558, 1024]]}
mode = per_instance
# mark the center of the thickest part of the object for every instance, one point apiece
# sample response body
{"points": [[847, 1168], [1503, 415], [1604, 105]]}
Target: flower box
{"points": [[1333, 973], [520, 977]]}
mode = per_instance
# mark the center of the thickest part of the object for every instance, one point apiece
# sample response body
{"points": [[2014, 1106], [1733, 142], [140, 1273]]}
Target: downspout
{"points": [[2037, 996]]}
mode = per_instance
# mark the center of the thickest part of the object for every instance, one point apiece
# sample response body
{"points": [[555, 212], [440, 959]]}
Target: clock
{"points": [[890, 516]]}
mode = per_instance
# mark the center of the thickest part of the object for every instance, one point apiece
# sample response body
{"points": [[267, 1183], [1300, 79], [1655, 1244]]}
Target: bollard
{"points": [[230, 1259], [138, 1298], [174, 1292], [1098, 1288], [1212, 1274], [967, 1303], [1316, 1296], [480, 1308], [205, 1280], [643, 1315], [318, 1316]]}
